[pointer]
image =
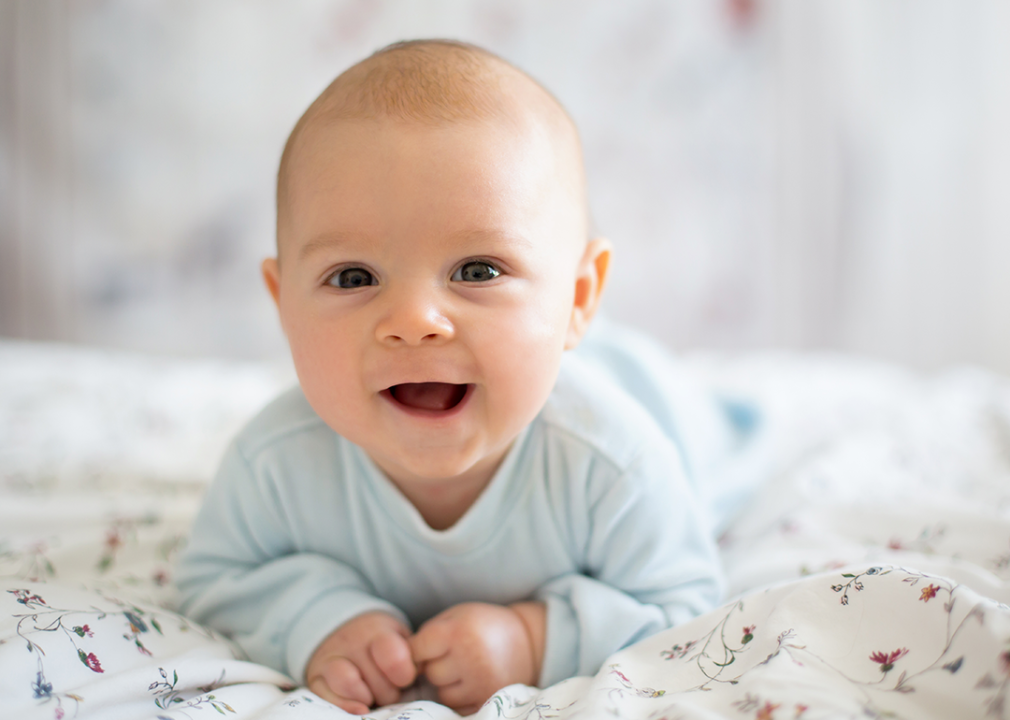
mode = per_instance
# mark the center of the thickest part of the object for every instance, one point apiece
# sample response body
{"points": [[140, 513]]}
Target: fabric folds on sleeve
{"points": [[241, 575], [649, 563]]}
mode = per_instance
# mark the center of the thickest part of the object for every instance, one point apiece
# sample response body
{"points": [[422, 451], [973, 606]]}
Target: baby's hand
{"points": [[471, 650], [364, 662]]}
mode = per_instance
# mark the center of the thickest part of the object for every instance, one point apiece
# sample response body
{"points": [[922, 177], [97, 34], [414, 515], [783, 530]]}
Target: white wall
{"points": [[797, 174]]}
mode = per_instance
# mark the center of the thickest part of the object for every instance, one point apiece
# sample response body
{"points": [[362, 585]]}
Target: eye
{"points": [[476, 271], [350, 278]]}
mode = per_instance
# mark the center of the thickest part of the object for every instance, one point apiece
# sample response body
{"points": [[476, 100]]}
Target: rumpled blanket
{"points": [[867, 569]]}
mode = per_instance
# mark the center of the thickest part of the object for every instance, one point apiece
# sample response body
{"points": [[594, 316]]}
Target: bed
{"points": [[867, 571]]}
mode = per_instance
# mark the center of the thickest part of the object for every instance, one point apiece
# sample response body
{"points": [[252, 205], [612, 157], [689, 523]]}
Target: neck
{"points": [[442, 502], [442, 506]]}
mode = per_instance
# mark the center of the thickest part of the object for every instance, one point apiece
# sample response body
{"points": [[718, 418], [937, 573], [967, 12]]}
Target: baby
{"points": [[443, 497]]}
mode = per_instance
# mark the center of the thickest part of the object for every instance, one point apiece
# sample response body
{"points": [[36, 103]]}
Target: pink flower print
{"points": [[895, 544], [928, 593], [748, 633], [678, 651], [27, 597], [113, 539], [160, 577], [621, 675], [59, 713], [887, 660], [767, 712], [91, 661], [82, 630]]}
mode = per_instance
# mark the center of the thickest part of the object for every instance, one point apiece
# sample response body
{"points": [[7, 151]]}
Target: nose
{"points": [[413, 316]]}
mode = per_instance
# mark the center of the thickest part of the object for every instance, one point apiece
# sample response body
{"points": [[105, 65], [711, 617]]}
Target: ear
{"points": [[589, 282], [272, 278]]}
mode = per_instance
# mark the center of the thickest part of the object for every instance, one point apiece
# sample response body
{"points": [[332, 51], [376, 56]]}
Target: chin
{"points": [[437, 471], [434, 466]]}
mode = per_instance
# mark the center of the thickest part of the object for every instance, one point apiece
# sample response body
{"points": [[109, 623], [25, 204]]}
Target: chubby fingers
{"points": [[391, 653], [448, 675], [459, 695], [383, 691], [431, 642], [432, 649], [374, 678], [340, 683]]}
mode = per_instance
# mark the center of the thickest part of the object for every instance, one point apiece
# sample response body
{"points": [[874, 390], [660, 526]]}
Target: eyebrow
{"points": [[322, 242], [329, 240], [464, 236]]}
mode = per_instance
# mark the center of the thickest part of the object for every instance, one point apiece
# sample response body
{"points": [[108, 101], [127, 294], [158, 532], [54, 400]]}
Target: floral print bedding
{"points": [[868, 569]]}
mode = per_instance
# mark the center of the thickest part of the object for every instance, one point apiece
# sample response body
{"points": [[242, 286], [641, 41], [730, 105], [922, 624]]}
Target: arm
{"points": [[649, 563], [243, 575]]}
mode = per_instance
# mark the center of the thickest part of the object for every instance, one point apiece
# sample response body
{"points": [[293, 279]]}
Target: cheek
{"points": [[525, 349], [321, 358]]}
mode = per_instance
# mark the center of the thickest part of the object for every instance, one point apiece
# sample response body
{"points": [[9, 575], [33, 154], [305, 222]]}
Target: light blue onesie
{"points": [[590, 512]]}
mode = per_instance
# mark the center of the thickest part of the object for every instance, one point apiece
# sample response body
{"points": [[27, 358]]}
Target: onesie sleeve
{"points": [[649, 563], [242, 574]]}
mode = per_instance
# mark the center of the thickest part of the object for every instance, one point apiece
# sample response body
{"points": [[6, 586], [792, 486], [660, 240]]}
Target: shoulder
{"points": [[286, 420], [286, 457], [591, 413], [602, 456]]}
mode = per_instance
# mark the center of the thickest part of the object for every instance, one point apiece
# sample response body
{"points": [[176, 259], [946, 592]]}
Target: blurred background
{"points": [[803, 175]]}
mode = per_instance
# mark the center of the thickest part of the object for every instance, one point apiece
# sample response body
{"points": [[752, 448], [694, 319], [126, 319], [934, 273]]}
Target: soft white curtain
{"points": [[811, 174], [892, 178]]}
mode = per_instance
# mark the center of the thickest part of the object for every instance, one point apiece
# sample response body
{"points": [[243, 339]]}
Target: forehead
{"points": [[452, 92], [379, 174], [386, 144]]}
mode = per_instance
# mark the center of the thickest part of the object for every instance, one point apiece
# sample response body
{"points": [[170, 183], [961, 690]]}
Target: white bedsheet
{"points": [[866, 574]]}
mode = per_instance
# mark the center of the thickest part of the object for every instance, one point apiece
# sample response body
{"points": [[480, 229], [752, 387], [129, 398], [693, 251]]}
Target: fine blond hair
{"points": [[428, 82]]}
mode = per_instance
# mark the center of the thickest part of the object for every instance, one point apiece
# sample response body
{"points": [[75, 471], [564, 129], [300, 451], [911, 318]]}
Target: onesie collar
{"points": [[477, 525]]}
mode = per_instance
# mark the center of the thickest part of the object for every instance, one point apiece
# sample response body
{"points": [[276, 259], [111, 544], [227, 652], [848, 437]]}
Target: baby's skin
{"points": [[468, 652], [433, 266]]}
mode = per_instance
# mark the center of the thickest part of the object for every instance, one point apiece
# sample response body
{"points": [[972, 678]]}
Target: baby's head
{"points": [[433, 257]]}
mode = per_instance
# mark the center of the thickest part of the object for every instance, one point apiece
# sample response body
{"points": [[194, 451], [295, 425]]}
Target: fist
{"points": [[364, 662], [472, 650]]}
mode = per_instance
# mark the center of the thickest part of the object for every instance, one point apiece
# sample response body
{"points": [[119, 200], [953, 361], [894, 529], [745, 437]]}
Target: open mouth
{"points": [[431, 396]]}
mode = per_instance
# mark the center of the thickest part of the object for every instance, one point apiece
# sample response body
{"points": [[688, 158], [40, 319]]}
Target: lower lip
{"points": [[430, 414]]}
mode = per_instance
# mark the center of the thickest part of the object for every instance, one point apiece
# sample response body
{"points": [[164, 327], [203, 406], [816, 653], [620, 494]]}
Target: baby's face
{"points": [[426, 287]]}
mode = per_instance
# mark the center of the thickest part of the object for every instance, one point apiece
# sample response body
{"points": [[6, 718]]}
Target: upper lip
{"points": [[420, 367], [384, 381], [409, 382]]}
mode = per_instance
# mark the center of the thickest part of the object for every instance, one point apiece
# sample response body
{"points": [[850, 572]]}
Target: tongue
{"points": [[429, 395]]}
